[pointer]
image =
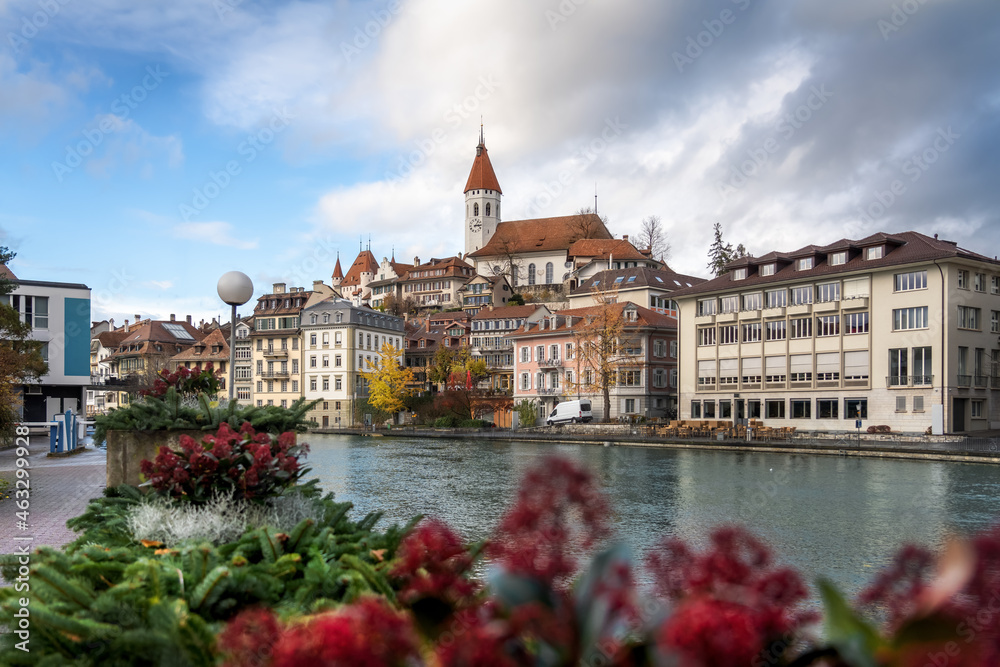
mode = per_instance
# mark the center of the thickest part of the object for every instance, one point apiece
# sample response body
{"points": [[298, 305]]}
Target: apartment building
{"points": [[490, 339], [437, 283], [485, 292], [212, 349], [276, 345], [449, 330], [894, 329], [647, 287], [548, 368], [243, 362]]}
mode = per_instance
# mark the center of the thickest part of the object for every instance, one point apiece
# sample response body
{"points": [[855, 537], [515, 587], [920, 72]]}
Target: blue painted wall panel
{"points": [[76, 357]]}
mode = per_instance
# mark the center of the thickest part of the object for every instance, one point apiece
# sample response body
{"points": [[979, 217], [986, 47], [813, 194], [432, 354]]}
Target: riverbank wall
{"points": [[928, 448]]}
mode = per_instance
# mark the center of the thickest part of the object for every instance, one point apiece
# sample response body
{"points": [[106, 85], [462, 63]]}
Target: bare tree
{"points": [[585, 227], [652, 236], [508, 263]]}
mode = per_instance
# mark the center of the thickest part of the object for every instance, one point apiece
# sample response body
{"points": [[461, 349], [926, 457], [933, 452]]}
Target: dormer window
{"points": [[767, 270], [740, 274], [837, 258], [312, 318], [805, 263], [874, 252]]}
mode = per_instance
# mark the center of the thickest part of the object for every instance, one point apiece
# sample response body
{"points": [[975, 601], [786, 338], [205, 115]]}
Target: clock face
{"points": [[475, 224]]}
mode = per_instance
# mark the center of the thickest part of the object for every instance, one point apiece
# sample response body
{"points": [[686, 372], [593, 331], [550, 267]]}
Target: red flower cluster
{"points": [[364, 634], [732, 603], [187, 382], [536, 537], [434, 563], [246, 464]]}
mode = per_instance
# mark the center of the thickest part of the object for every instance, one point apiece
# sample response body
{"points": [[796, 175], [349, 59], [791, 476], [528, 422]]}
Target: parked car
{"points": [[570, 411]]}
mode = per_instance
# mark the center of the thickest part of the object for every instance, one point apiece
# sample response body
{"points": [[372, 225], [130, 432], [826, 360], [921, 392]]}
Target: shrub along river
{"points": [[842, 518]]}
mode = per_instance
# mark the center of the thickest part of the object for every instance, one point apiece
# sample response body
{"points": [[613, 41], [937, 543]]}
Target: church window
{"points": [[475, 209], [531, 274], [548, 273], [487, 209]]}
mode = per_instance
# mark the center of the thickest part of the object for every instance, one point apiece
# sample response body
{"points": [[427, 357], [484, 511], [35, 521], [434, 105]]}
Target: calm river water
{"points": [[841, 518]]}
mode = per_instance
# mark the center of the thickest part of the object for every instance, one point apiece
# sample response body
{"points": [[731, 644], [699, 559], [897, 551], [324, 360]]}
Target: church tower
{"points": [[482, 200]]}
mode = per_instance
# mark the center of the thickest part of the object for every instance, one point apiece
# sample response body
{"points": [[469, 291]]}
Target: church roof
{"points": [[621, 249], [337, 271], [365, 263], [542, 234], [482, 176]]}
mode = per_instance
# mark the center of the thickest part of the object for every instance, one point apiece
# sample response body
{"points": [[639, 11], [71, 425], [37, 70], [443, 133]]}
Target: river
{"points": [[841, 518]]}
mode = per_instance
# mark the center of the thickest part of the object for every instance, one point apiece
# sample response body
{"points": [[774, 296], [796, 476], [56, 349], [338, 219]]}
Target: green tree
{"points": [[515, 300], [527, 411], [21, 358], [388, 381], [721, 253]]}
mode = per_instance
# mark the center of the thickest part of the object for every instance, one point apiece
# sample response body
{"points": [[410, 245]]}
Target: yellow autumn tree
{"points": [[387, 381]]}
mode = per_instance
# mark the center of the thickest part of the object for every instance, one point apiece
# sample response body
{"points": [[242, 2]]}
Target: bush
{"points": [[474, 423], [244, 465], [187, 382], [447, 421]]}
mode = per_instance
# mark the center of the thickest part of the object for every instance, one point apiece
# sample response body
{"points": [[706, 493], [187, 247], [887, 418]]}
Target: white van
{"points": [[570, 411]]}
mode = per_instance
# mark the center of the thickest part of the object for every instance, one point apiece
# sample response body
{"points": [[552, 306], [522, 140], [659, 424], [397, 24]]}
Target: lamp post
{"points": [[235, 288]]}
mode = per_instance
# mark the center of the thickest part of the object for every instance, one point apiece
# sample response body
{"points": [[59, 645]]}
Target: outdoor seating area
{"points": [[710, 428]]}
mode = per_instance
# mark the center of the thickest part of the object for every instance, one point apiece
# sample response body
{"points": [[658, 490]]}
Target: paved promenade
{"points": [[60, 489]]}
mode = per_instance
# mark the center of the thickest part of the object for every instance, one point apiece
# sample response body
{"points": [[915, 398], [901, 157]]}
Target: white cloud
{"points": [[218, 233], [160, 284]]}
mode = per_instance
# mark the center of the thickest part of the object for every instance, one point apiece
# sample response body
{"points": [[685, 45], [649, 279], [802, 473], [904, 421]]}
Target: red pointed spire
{"points": [[482, 176], [337, 271]]}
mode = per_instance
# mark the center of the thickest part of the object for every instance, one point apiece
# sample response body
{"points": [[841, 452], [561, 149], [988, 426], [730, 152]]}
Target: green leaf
{"points": [[853, 637]]}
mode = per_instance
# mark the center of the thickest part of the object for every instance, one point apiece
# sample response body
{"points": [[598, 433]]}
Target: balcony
{"points": [[750, 314], [981, 381], [964, 381], [270, 375], [905, 381], [549, 392], [550, 363], [275, 352]]}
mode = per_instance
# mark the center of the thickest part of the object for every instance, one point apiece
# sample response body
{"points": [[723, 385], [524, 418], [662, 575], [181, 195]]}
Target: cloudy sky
{"points": [[149, 147]]}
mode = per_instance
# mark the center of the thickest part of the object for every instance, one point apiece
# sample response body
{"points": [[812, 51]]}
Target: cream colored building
{"points": [[894, 329], [275, 346], [340, 340]]}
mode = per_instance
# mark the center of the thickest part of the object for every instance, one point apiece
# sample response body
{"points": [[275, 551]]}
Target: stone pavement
{"points": [[60, 489]]}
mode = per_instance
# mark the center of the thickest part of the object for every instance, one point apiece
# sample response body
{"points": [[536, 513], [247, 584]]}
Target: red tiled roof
{"points": [[5, 272], [365, 263], [604, 248], [482, 176], [450, 265], [337, 271], [506, 312], [111, 339], [193, 353], [644, 317], [542, 234]]}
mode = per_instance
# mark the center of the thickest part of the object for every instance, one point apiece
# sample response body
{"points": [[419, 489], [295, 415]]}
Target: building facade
{"points": [[276, 346], [894, 329], [490, 339], [437, 283]]}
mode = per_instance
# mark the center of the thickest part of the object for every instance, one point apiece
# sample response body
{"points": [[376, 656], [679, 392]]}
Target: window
{"points": [[725, 409], [994, 321], [776, 298], [977, 409], [531, 274], [874, 252], [627, 378], [739, 274], [901, 404], [828, 325], [837, 258], [968, 318], [326, 361], [801, 409], [326, 383], [828, 367], [659, 348], [856, 366], [994, 284], [827, 292], [260, 386], [295, 365], [805, 264], [673, 349], [673, 377], [800, 327], [728, 335], [729, 304], [855, 323], [979, 282], [487, 209], [751, 370], [909, 318], [827, 408], [295, 343], [706, 306], [729, 372], [921, 370], [774, 409], [767, 270], [898, 373], [706, 336], [549, 278], [856, 288], [337, 361], [963, 279], [312, 340], [775, 369], [525, 381], [312, 361], [905, 282], [709, 409], [695, 409], [539, 353], [706, 373], [753, 301], [800, 366], [802, 295], [855, 408], [525, 353], [338, 336], [751, 332], [295, 385], [312, 384], [918, 403]]}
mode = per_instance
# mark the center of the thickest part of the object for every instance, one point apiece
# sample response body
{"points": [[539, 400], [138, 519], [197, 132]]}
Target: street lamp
{"points": [[235, 288]]}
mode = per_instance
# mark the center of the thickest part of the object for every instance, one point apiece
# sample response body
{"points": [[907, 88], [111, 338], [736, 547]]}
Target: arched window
{"points": [[548, 274], [487, 209], [513, 276], [531, 274], [475, 209]]}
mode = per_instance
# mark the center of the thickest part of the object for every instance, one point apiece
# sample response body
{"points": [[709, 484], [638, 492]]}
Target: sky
{"points": [[147, 148]]}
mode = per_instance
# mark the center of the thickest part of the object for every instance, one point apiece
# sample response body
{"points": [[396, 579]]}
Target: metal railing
{"points": [[909, 381]]}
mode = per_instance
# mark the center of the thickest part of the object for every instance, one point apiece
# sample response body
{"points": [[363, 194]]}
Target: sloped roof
{"points": [[482, 176], [450, 265], [508, 312], [905, 248], [202, 350], [644, 317], [156, 331], [643, 277], [543, 234], [364, 263], [337, 271], [111, 339], [5, 272], [605, 248]]}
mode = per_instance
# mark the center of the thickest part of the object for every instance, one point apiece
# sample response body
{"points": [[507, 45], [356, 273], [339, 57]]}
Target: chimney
{"points": [[189, 319], [279, 288], [317, 284], [126, 326], [173, 317], [416, 261], [138, 318], [624, 237]]}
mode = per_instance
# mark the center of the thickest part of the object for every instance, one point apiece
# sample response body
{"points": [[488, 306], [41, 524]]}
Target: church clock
{"points": [[475, 224]]}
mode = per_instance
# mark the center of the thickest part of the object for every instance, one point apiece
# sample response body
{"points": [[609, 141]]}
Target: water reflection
{"points": [[842, 518]]}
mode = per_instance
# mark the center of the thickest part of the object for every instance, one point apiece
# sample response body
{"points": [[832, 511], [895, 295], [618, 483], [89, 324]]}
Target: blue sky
{"points": [[267, 136]]}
